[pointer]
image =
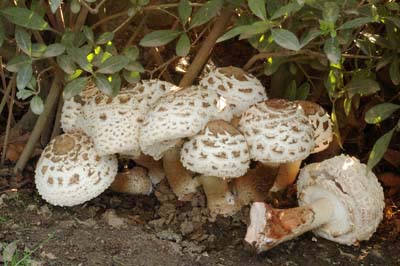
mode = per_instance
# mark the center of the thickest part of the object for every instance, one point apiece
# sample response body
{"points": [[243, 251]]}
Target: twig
{"points": [[51, 101], [126, 21], [10, 112], [80, 21], [138, 29], [7, 92], [205, 50], [94, 10], [57, 122]]}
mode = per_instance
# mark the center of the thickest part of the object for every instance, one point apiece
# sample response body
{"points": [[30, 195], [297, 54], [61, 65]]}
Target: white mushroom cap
{"points": [[70, 171], [177, 115], [355, 191], [219, 150], [113, 123], [238, 88], [277, 131], [321, 122], [151, 91], [71, 114]]}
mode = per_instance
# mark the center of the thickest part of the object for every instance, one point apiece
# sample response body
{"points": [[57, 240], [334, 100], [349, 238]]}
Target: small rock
{"points": [[45, 211], [187, 227], [31, 207], [2, 198], [88, 222], [169, 235], [314, 239], [157, 223], [111, 218], [48, 255]]}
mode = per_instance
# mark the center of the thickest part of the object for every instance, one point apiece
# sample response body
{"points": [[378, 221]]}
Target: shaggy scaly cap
{"points": [[71, 172]]}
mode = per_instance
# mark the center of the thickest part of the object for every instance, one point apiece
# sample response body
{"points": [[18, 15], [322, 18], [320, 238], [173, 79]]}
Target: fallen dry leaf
{"points": [[14, 151], [392, 157], [390, 179]]}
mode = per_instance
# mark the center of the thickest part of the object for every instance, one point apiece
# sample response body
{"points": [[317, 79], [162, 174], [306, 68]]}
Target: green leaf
{"points": [[25, 18], [332, 50], [379, 149], [256, 28], [131, 76], [87, 31], [394, 72], [113, 64], [347, 105], [286, 39], [393, 6], [184, 10], [232, 33], [330, 12], [258, 8], [54, 5], [395, 20], [272, 65], [105, 37], [24, 94], [66, 63], [303, 91], [37, 105], [159, 38], [79, 55], [362, 86], [23, 40], [38, 49], [286, 10], [24, 75], [75, 6], [380, 112], [354, 23], [132, 52], [290, 92], [17, 62], [183, 45], [209, 10], [54, 49], [115, 84], [103, 84], [135, 66], [75, 87], [309, 36]]}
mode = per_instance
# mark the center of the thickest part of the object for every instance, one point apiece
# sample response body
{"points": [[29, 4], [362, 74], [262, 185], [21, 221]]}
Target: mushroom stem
{"points": [[254, 185], [270, 227], [286, 175], [180, 180], [220, 199]]}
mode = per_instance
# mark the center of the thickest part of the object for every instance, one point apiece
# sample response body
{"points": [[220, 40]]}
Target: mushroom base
{"points": [[220, 199], [270, 227]]}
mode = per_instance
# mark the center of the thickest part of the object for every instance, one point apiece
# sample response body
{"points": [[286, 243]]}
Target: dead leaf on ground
{"points": [[14, 151], [392, 157]]}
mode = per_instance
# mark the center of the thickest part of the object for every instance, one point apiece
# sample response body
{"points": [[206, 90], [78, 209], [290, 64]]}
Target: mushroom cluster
{"points": [[206, 136]]}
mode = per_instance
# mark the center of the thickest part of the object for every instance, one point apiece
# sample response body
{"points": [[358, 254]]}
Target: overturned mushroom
{"points": [[239, 89], [134, 181], [70, 171], [219, 151], [278, 133], [339, 198]]}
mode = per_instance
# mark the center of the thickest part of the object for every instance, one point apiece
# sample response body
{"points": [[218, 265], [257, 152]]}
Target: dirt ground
{"points": [[116, 229]]}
